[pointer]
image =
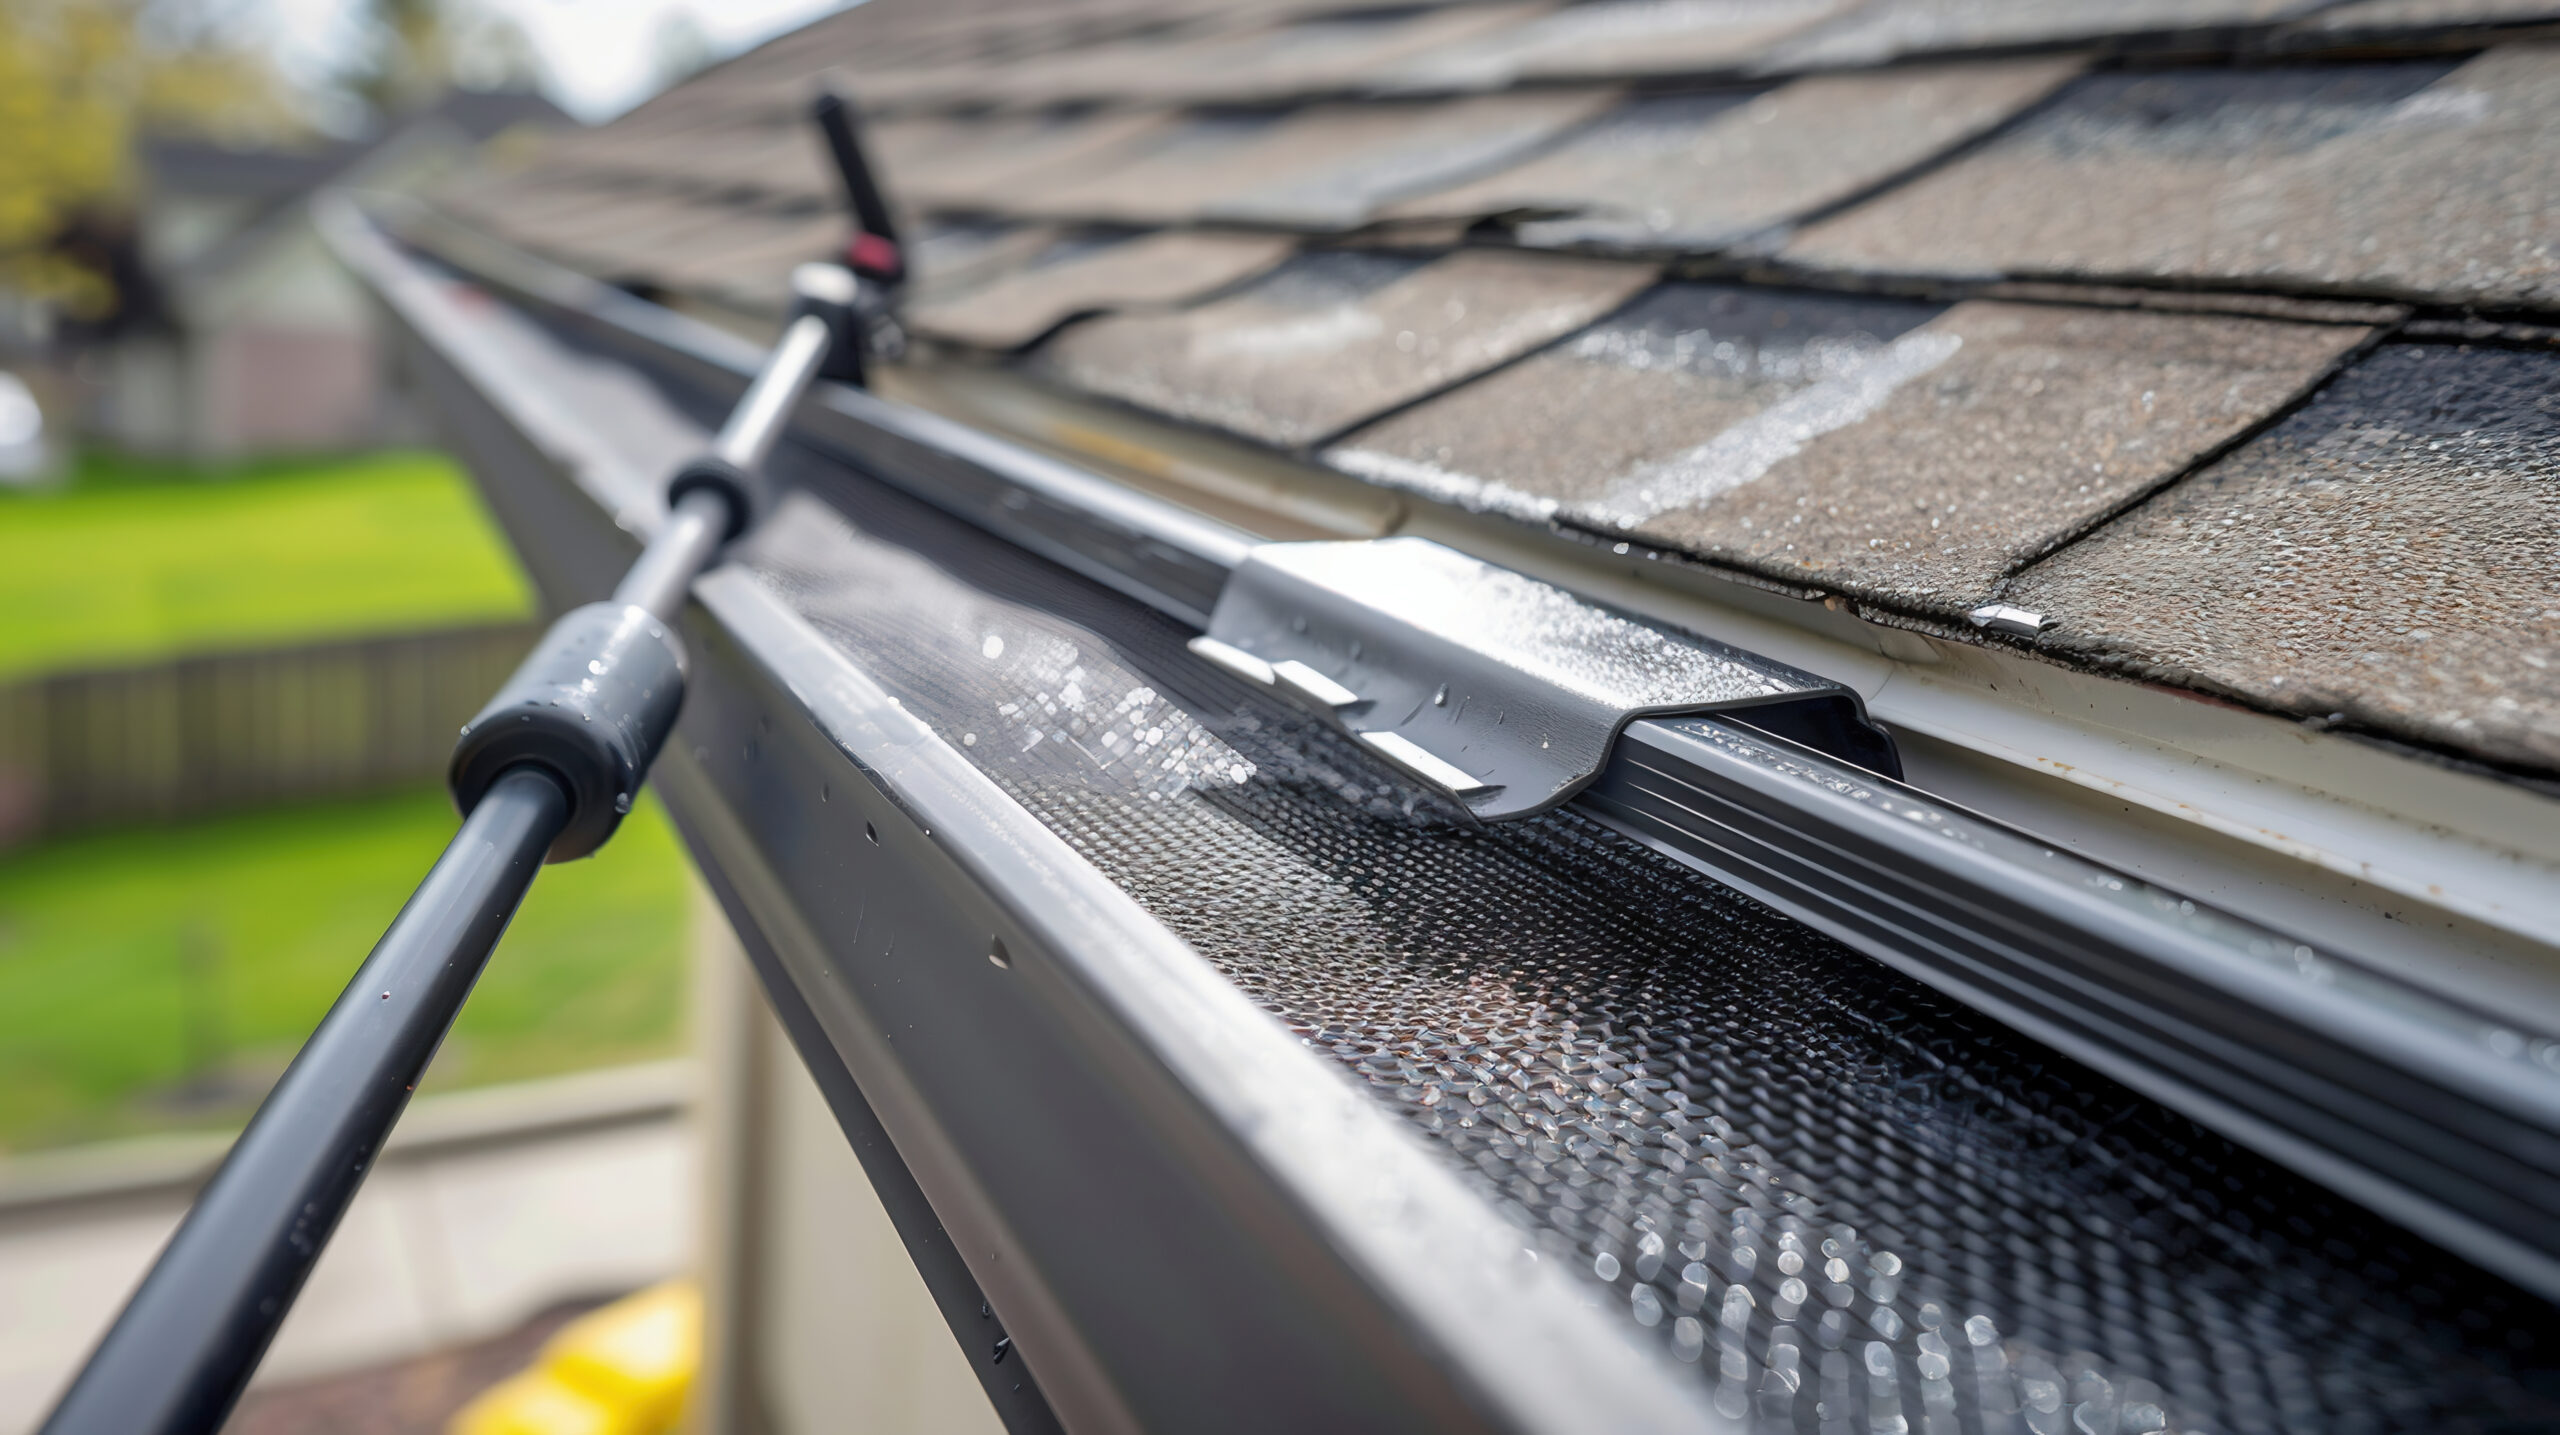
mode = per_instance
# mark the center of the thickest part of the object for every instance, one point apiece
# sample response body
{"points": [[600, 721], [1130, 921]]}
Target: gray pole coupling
{"points": [[591, 706], [825, 337], [599, 694]]}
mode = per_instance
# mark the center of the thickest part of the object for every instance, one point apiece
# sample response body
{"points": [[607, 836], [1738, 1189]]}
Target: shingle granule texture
{"points": [[2385, 554]]}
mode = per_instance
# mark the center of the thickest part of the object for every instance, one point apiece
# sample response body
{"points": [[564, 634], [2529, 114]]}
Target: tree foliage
{"points": [[413, 51], [78, 79]]}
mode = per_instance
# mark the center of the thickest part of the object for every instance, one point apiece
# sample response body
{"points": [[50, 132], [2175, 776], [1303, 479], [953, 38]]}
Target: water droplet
{"points": [[2039, 1386], [997, 954], [871, 834], [1832, 1329], [1646, 1302]]}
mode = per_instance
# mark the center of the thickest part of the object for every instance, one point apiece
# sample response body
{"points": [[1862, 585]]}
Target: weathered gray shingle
{"points": [[2416, 178], [1880, 447], [1701, 171], [1891, 29], [1334, 338], [1920, 456], [2386, 554], [1251, 64], [1153, 270], [2380, 17], [978, 165], [1323, 167], [751, 255], [1611, 39], [1674, 368]]}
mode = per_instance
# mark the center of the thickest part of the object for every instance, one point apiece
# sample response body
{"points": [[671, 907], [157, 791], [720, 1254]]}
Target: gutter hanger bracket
{"points": [[1496, 689]]}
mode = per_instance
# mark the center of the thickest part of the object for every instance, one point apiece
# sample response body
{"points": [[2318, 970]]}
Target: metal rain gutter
{"points": [[1075, 1123], [2441, 1115]]}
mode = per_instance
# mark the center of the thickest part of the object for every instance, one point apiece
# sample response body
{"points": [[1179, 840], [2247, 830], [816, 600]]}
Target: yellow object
{"points": [[622, 1369], [535, 1403]]}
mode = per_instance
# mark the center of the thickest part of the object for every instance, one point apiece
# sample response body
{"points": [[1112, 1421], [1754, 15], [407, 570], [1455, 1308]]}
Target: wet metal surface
{"points": [[1333, 338], [1325, 167], [1500, 690], [2385, 554], [1845, 1203], [1155, 269], [1610, 38], [1701, 171], [2413, 178], [1880, 447], [1890, 29]]}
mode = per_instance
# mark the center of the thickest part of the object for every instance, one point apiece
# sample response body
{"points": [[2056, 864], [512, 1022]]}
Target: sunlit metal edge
{"points": [[2265, 1061]]}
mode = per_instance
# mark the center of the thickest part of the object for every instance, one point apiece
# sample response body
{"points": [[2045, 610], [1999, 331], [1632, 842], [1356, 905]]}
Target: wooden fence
{"points": [[223, 732]]}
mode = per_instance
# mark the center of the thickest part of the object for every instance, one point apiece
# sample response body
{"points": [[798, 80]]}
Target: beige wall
{"points": [[819, 1320], [263, 388]]}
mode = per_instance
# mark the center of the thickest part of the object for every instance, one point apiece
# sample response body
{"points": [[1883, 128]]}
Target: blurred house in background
{"points": [[234, 333]]}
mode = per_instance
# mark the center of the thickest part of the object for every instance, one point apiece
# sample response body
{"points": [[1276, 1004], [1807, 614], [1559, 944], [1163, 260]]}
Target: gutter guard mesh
{"points": [[1851, 1204]]}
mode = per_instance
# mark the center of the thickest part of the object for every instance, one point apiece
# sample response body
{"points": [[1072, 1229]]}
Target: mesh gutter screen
{"points": [[1853, 1205]]}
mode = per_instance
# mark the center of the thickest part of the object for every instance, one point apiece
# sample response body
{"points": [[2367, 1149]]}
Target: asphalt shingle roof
{"points": [[2139, 313]]}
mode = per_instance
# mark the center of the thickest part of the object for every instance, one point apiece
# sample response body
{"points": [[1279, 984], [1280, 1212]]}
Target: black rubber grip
{"points": [[744, 491], [591, 705]]}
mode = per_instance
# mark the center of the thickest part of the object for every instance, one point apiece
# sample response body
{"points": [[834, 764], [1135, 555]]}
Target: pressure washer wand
{"points": [[544, 773]]}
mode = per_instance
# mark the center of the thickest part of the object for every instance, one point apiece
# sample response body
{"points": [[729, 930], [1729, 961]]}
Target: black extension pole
{"points": [[546, 771], [874, 253]]}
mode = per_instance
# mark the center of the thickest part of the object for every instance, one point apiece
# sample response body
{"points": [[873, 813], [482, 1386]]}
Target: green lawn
{"points": [[131, 561], [134, 965]]}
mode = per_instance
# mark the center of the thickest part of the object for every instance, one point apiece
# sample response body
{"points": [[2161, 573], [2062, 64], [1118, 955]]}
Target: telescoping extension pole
{"points": [[544, 773]]}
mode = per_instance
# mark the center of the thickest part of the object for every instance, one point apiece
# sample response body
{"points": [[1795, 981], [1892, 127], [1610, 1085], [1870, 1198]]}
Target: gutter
{"points": [[2450, 876], [1074, 1123], [2441, 1111]]}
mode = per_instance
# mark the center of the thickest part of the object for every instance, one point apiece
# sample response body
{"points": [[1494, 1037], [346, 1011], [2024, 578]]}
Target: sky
{"points": [[599, 56]]}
